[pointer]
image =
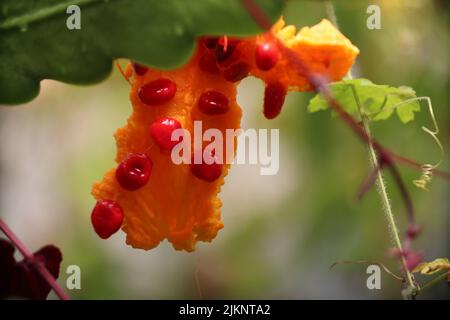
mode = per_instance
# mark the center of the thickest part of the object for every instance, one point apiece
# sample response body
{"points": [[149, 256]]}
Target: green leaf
{"points": [[378, 102], [36, 44]]}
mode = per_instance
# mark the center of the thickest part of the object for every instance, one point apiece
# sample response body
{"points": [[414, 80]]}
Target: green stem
{"points": [[382, 191], [330, 12], [381, 185]]}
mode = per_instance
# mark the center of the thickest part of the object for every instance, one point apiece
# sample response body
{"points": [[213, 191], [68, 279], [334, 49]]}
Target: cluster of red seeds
{"points": [[221, 56]]}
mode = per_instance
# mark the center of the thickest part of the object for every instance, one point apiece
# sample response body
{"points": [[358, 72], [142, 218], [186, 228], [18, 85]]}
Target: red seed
{"points": [[222, 55], [208, 63], [213, 103], [157, 92], [106, 218], [274, 96], [207, 172], [134, 171], [210, 42], [139, 69], [237, 71], [225, 48], [161, 131], [266, 55]]}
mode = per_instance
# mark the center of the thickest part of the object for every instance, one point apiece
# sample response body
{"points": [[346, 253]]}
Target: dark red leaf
{"points": [[7, 263], [21, 279]]}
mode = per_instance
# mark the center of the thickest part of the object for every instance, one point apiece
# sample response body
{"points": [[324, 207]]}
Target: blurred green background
{"points": [[281, 232]]}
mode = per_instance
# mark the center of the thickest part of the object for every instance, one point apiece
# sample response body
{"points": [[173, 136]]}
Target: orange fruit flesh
{"points": [[322, 48], [174, 204]]}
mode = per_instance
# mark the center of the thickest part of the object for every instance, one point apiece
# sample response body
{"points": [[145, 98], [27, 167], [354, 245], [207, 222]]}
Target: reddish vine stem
{"points": [[258, 15], [368, 183], [37, 263]]}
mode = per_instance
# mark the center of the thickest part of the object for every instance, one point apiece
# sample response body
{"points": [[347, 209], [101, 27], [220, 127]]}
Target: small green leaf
{"points": [[317, 103], [36, 44], [378, 102]]}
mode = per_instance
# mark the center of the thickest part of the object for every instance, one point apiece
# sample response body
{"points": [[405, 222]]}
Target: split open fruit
{"points": [[161, 200]]}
